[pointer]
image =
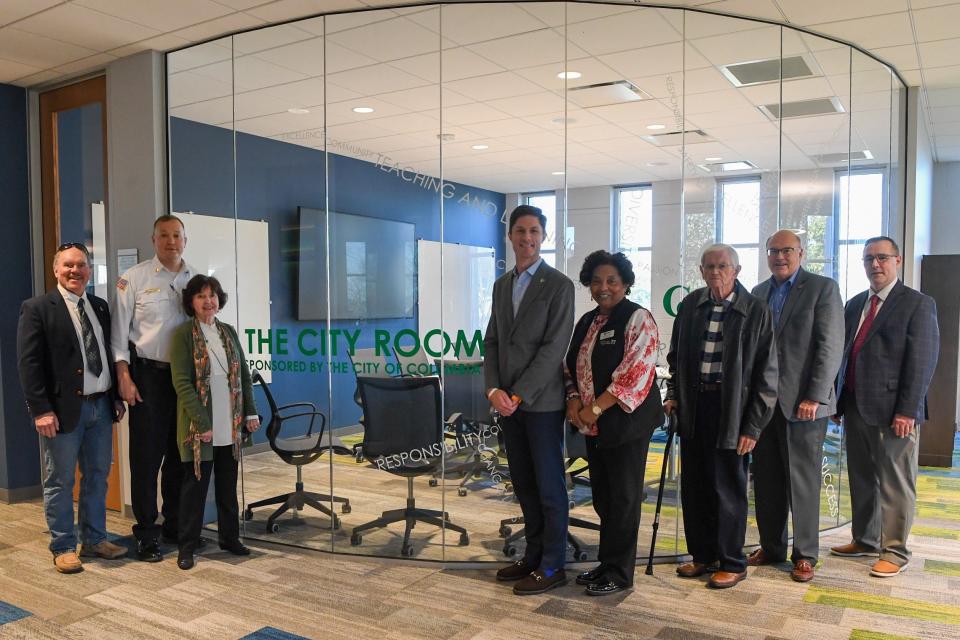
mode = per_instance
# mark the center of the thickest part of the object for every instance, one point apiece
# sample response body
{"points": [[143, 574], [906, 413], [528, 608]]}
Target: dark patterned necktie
{"points": [[90, 346]]}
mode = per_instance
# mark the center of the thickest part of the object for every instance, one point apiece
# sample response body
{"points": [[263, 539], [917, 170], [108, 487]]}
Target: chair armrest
{"points": [[313, 416], [454, 420], [312, 406]]}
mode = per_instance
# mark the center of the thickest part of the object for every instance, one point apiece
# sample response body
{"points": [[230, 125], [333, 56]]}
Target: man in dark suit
{"points": [[892, 345], [808, 324], [722, 385], [526, 340], [67, 373]]}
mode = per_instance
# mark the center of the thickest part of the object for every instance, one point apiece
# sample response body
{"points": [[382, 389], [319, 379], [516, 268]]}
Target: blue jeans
{"points": [[91, 444]]}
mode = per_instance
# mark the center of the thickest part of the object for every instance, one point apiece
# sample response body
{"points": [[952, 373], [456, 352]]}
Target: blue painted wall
{"points": [[80, 163], [20, 454], [273, 178]]}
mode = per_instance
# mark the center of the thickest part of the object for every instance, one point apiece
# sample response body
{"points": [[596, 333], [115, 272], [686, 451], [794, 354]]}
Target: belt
{"points": [[93, 397], [154, 364], [709, 386]]}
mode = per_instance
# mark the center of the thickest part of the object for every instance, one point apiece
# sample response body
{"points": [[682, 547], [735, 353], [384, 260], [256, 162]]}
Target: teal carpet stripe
{"points": [[270, 633], [10, 613]]}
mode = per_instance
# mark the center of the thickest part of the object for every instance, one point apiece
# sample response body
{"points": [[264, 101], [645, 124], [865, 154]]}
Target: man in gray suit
{"points": [[808, 324], [892, 345], [526, 340]]}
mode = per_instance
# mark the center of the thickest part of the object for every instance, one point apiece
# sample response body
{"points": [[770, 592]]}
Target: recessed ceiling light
{"points": [[298, 111], [657, 164], [559, 173], [480, 147], [713, 159], [363, 109], [656, 127], [569, 75]]}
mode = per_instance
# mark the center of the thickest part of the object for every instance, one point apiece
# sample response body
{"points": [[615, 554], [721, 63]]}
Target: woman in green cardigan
{"points": [[214, 406]]}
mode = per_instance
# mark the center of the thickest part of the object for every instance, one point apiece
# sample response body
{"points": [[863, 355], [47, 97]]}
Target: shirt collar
{"points": [[71, 296], [792, 280], [726, 302], [532, 269], [158, 266], [883, 293]]}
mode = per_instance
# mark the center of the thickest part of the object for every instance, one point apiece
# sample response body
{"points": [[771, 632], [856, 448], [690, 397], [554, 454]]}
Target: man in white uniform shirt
{"points": [[67, 374], [147, 311]]}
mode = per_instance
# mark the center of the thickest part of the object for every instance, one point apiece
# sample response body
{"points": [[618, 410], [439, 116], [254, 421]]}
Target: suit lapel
{"points": [[885, 310], [533, 291], [791, 302], [63, 322]]}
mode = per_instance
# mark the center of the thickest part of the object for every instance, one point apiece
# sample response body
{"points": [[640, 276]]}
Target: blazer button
{"points": [[79, 372], [79, 392]]}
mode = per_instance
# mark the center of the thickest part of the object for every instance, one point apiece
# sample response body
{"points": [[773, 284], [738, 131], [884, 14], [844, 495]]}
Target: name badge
{"points": [[154, 290], [604, 335]]}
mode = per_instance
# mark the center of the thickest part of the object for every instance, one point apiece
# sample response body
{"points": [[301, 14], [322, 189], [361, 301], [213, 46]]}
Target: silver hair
{"points": [[730, 251]]}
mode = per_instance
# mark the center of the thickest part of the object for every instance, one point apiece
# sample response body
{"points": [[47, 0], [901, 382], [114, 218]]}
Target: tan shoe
{"points": [[68, 562], [103, 549], [886, 569], [852, 550]]}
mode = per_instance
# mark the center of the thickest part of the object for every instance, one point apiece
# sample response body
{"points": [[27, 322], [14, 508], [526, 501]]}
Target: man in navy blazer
{"points": [[892, 344], [67, 374]]}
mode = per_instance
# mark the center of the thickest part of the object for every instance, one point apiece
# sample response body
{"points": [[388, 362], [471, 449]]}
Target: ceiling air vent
{"points": [[802, 108], [839, 158], [598, 95], [730, 165], [677, 138], [745, 74]]}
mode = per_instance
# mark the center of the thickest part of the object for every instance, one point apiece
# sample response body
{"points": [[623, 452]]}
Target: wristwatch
{"points": [[596, 409]]}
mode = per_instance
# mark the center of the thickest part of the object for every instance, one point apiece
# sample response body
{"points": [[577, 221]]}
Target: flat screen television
{"points": [[373, 271]]}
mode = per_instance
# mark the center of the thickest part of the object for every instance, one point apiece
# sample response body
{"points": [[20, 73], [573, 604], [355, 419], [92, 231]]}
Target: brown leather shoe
{"points": [[886, 569], [760, 557], [538, 582], [695, 569], [103, 549], [68, 562], [516, 571], [725, 579], [802, 571], [853, 550]]}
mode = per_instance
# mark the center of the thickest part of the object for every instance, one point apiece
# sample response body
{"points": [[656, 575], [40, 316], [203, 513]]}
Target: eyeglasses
{"points": [[74, 245], [723, 266], [786, 252], [880, 257]]}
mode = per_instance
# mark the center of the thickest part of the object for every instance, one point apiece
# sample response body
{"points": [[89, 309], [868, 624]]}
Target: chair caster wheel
{"points": [[505, 531], [345, 508], [247, 515], [356, 539], [433, 482], [464, 539], [358, 457], [510, 551], [406, 550], [274, 528], [461, 492], [572, 504], [580, 556]]}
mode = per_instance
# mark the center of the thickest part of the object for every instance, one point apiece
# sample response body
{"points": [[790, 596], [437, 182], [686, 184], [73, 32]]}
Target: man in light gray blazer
{"points": [[808, 325], [526, 340], [892, 346]]}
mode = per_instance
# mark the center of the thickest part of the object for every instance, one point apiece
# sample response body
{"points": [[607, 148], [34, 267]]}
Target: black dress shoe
{"points": [[165, 539], [185, 559], [604, 588], [148, 551], [516, 571], [589, 577], [235, 547], [539, 582]]}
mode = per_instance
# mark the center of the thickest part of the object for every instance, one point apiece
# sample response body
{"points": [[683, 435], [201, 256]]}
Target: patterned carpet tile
{"points": [[899, 607]]}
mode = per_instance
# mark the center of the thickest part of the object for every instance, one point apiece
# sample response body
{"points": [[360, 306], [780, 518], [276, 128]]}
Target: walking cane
{"points": [[671, 428]]}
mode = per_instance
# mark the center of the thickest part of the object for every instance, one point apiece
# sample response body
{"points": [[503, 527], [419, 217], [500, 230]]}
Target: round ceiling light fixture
{"points": [[480, 147], [656, 163], [559, 173], [713, 159], [298, 111], [656, 127], [363, 109], [569, 75]]}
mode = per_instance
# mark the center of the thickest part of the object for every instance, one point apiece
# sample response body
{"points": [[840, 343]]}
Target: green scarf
{"points": [[201, 365]]}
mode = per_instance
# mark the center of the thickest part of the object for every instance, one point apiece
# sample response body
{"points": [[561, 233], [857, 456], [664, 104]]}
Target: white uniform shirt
{"points": [[91, 383], [148, 309]]}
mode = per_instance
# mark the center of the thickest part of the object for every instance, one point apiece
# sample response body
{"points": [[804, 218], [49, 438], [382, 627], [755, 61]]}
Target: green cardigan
{"points": [[184, 377]]}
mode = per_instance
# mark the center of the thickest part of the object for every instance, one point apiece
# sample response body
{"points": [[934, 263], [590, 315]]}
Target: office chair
{"points": [[298, 451], [403, 435], [375, 366], [576, 447]]}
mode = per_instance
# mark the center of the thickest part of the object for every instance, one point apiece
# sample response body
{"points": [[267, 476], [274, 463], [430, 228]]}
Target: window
{"points": [[546, 202], [738, 223], [858, 215], [633, 220]]}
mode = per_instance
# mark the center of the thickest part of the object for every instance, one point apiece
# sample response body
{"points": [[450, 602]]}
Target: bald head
{"points": [[784, 253]]}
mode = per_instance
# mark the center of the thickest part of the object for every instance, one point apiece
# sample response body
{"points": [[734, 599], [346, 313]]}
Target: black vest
{"points": [[616, 426]]}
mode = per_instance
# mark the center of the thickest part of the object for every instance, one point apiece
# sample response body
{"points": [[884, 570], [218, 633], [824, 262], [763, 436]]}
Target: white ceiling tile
{"points": [[472, 113], [573, 119], [640, 28], [807, 12], [216, 112], [85, 27], [644, 111], [287, 9], [872, 31], [10, 71], [494, 86], [531, 49], [592, 72], [270, 38], [789, 91], [924, 4], [469, 23], [656, 60], [746, 46], [531, 104], [409, 123], [700, 25], [424, 98], [938, 23], [726, 100], [165, 16], [159, 43], [11, 10], [199, 55], [944, 97], [460, 62], [308, 93], [374, 79], [943, 53], [186, 87], [388, 40], [755, 8], [219, 26], [93, 63], [942, 77], [912, 78], [944, 114], [37, 78], [727, 118], [902, 57], [500, 128], [342, 112], [306, 56], [38, 51], [251, 72]]}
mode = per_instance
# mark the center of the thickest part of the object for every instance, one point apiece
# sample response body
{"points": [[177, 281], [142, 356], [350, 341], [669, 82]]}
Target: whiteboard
{"points": [[457, 296], [237, 252]]}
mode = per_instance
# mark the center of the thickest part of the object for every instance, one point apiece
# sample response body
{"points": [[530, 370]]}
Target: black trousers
{"points": [[153, 450], [787, 464], [193, 497], [535, 456], [616, 478], [713, 492]]}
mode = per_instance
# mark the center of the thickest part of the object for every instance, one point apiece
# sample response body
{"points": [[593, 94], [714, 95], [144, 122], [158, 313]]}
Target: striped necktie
{"points": [[90, 346]]}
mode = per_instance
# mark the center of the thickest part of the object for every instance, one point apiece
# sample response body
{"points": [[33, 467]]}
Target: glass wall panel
{"points": [[349, 179]]}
